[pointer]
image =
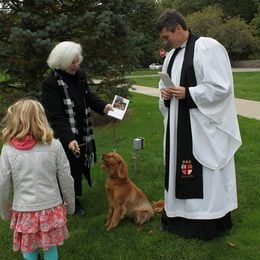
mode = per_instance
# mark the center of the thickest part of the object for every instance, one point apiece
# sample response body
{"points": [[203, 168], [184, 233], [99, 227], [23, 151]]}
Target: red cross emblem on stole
{"points": [[186, 167]]}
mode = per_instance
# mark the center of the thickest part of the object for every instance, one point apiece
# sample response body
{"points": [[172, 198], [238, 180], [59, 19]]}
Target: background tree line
{"points": [[117, 36]]}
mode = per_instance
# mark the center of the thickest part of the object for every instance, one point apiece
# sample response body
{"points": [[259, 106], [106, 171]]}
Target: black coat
{"points": [[52, 99]]}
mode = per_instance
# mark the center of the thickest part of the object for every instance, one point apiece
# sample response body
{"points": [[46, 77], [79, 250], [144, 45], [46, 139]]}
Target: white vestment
{"points": [[215, 132]]}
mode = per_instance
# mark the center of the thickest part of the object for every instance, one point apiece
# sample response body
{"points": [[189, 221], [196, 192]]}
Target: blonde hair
{"points": [[26, 116], [63, 54]]}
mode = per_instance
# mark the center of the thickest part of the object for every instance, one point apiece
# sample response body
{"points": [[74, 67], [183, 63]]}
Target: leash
{"points": [[114, 136]]}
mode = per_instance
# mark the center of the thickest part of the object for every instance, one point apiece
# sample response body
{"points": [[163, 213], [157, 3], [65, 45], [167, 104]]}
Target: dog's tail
{"points": [[158, 205]]}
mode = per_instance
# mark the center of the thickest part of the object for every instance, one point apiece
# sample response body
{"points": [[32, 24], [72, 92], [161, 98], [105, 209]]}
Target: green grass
{"points": [[146, 81], [247, 84], [90, 240]]}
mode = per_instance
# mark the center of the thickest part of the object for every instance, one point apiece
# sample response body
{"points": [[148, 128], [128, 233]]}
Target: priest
{"points": [[201, 133]]}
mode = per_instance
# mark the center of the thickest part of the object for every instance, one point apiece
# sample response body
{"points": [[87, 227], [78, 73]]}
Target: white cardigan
{"points": [[40, 178]]}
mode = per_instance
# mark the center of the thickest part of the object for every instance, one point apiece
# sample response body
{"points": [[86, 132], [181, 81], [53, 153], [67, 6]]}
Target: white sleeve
{"points": [[65, 179], [215, 129], [5, 185], [214, 78], [162, 107]]}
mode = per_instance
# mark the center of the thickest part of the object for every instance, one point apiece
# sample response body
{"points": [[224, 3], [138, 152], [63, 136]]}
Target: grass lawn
{"points": [[90, 240], [247, 84]]}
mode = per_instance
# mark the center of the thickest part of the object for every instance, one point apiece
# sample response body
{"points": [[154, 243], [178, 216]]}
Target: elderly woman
{"points": [[67, 101]]}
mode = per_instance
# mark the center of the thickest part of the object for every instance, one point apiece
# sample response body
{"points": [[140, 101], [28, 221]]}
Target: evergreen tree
{"points": [[142, 23], [33, 27]]}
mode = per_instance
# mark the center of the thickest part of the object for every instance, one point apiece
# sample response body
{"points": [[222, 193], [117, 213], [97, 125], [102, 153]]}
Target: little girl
{"points": [[34, 164]]}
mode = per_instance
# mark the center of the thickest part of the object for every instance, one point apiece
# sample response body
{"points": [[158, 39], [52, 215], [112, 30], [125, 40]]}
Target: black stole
{"points": [[189, 182]]}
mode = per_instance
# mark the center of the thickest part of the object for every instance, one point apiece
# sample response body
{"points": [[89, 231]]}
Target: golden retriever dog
{"points": [[124, 197]]}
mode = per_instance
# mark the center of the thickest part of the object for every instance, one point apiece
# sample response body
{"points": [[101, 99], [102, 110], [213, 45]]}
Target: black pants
{"points": [[78, 169]]}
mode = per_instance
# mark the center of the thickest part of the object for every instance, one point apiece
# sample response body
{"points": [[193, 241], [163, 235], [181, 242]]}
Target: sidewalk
{"points": [[247, 108]]}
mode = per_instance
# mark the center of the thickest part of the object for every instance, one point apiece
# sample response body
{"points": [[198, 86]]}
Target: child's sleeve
{"points": [[65, 179], [5, 186]]}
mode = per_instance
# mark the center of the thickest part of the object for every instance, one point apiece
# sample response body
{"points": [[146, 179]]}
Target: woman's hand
{"points": [[74, 147], [107, 108]]}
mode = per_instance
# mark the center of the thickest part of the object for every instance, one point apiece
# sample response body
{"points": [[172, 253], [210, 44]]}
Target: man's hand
{"points": [[177, 92], [166, 93]]}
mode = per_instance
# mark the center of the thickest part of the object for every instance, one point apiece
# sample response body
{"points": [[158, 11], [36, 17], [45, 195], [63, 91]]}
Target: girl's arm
{"points": [[5, 185], [65, 179]]}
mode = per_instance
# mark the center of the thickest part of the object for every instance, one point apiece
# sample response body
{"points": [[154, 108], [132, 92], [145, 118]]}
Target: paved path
{"points": [[244, 107], [245, 69], [156, 72]]}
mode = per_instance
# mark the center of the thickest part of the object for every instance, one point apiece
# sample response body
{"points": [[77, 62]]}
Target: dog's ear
{"points": [[122, 170]]}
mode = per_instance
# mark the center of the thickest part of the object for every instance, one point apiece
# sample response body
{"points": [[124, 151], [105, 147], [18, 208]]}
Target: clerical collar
{"points": [[183, 45]]}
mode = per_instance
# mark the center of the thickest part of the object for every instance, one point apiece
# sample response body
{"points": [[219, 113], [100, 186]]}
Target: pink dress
{"points": [[40, 229]]}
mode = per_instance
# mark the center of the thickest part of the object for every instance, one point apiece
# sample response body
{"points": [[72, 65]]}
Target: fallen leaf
{"points": [[231, 244]]}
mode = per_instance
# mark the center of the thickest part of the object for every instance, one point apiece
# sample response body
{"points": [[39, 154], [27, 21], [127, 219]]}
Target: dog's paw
{"points": [[111, 226], [107, 224]]}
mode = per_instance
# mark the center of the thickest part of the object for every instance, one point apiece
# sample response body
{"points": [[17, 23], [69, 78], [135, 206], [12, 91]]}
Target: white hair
{"points": [[63, 54]]}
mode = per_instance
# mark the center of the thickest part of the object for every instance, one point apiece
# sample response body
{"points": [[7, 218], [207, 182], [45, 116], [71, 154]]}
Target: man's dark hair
{"points": [[169, 19]]}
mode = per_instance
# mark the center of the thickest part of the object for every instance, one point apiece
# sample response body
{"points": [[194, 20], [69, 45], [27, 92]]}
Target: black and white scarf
{"points": [[88, 136]]}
